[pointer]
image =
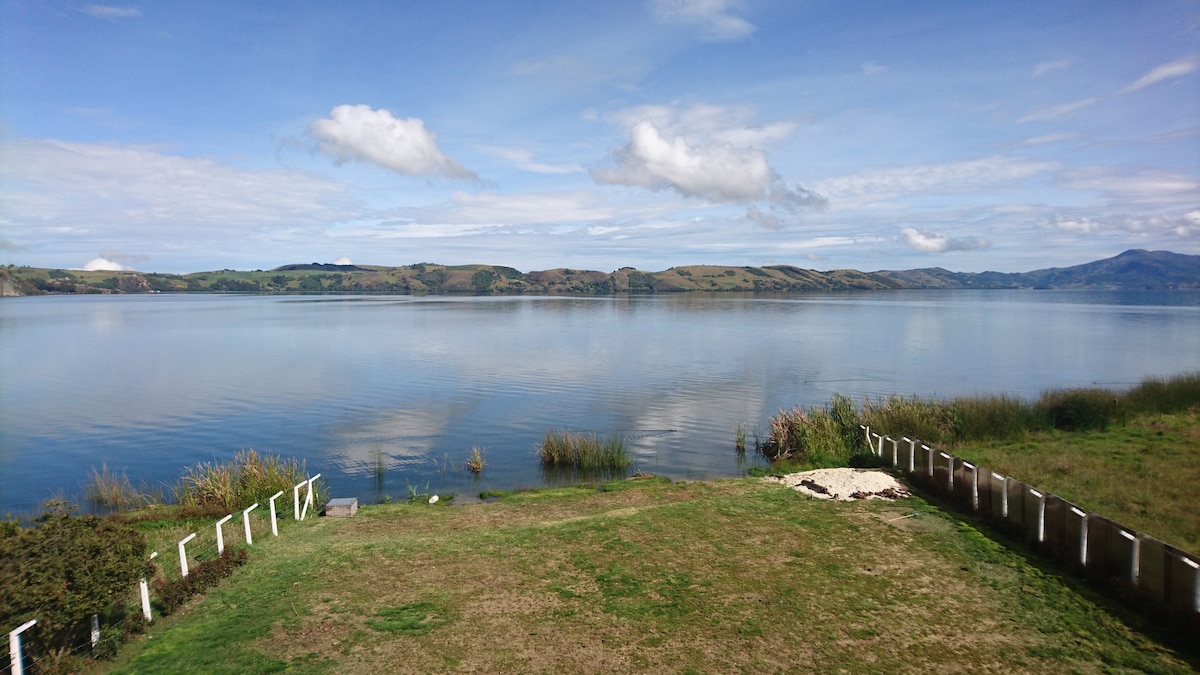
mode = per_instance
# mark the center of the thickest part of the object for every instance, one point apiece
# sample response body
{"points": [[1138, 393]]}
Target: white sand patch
{"points": [[844, 484]]}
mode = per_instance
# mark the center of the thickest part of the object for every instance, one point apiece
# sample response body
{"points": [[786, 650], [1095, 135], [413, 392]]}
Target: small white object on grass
{"points": [[433, 499]]}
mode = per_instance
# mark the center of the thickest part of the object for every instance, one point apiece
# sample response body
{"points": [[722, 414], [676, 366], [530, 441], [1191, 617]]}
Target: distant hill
{"points": [[1130, 270]]}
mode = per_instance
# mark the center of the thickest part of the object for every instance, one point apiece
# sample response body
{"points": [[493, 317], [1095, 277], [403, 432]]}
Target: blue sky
{"points": [[181, 136]]}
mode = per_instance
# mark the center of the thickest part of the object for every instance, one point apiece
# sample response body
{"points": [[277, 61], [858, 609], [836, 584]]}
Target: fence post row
{"points": [[1087, 540]]}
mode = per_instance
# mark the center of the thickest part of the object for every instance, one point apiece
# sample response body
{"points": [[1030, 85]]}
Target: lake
{"points": [[148, 384]]}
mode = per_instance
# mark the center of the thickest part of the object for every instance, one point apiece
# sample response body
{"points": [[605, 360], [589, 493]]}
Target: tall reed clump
{"points": [[817, 435], [1155, 395], [1078, 409], [245, 480], [931, 420], [583, 451], [993, 417], [107, 491], [476, 460]]}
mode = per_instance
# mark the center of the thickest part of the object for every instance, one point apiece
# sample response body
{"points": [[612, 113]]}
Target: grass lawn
{"points": [[723, 576], [1143, 473]]}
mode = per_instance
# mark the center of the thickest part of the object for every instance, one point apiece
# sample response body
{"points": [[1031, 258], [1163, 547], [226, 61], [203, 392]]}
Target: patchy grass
{"points": [[1142, 474], [718, 576]]}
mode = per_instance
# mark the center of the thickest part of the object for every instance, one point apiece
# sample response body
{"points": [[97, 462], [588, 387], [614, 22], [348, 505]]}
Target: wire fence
{"points": [[1132, 563], [176, 552]]}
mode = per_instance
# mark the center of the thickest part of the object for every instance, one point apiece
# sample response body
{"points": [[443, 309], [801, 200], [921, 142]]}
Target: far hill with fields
{"points": [[1131, 270]]}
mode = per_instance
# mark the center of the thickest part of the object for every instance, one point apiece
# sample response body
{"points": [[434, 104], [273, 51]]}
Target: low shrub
{"points": [[174, 593]]}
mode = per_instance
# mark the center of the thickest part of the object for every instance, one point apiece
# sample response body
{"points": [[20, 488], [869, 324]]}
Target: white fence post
{"points": [[220, 538], [296, 499], [183, 567], [1083, 527], [912, 454], [14, 648], [246, 523], [1195, 583], [145, 589], [274, 524], [95, 630], [310, 498]]}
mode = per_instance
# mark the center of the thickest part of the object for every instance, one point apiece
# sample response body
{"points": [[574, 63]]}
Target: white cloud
{"points": [[1057, 112], [706, 151], [359, 132], [714, 17], [111, 11], [1050, 66], [767, 219], [1164, 72], [342, 261], [718, 172], [1121, 186], [104, 265], [937, 242]]}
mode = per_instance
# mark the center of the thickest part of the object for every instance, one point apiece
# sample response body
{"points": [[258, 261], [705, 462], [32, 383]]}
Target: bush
{"points": [[65, 569]]}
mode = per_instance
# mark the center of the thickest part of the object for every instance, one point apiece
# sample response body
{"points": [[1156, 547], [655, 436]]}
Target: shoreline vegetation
{"points": [[1131, 270]]}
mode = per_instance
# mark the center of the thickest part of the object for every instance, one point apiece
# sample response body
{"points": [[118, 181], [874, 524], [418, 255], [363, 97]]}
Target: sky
{"points": [[183, 136]]}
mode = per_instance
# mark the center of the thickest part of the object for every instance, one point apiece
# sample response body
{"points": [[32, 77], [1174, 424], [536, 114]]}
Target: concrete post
{"points": [[310, 498], [183, 566], [974, 484], [1041, 515], [246, 523], [1135, 554], [1195, 583], [220, 538], [95, 630], [296, 498], [912, 454], [14, 648], [895, 452]]}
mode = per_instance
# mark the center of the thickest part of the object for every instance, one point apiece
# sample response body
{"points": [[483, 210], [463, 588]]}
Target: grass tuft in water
{"points": [[583, 451], [476, 460], [248, 478], [108, 491]]}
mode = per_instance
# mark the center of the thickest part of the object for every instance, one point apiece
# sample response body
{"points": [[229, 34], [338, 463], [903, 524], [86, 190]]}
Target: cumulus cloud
{"points": [[1157, 225], [361, 133], [342, 261], [714, 17], [938, 242], [704, 151], [111, 11], [1166, 71], [104, 265]]}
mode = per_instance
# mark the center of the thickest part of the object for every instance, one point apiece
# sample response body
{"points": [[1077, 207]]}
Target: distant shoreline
{"points": [[1131, 270]]}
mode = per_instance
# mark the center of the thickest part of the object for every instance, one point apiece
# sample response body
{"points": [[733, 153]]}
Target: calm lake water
{"points": [[150, 384]]}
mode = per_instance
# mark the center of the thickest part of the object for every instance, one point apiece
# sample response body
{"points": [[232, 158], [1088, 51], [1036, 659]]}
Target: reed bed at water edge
{"points": [[248, 478], [584, 451]]}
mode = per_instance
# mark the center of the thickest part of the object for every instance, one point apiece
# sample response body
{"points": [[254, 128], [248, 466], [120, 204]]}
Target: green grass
{"points": [[726, 576]]}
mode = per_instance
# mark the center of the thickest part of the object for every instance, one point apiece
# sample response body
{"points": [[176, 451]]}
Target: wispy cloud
{"points": [[1058, 112], [878, 184], [524, 160], [1046, 139], [870, 68], [111, 11], [71, 193], [359, 132], [1166, 71], [714, 17], [1050, 66]]}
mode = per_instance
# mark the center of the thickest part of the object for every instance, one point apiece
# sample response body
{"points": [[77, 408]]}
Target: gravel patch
{"points": [[844, 484]]}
